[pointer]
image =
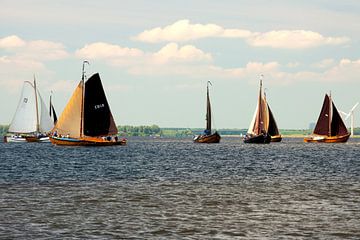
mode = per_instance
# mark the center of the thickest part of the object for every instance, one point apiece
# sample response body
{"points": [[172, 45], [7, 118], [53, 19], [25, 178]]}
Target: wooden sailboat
{"points": [[87, 119], [208, 136], [329, 128], [258, 129], [31, 122]]}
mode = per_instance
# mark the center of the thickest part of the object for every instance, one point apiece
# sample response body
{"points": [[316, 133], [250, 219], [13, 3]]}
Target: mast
{"points": [[208, 108], [82, 98], [330, 114], [260, 109], [37, 108]]}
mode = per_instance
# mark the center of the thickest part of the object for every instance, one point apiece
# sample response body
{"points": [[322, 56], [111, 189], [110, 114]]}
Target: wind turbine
{"points": [[350, 114]]}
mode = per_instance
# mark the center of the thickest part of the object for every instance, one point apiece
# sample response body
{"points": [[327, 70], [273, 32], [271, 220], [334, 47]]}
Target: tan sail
{"points": [[260, 121], [70, 120]]}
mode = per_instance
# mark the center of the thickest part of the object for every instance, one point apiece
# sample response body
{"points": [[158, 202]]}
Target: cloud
{"points": [[21, 59], [101, 50], [173, 53], [296, 39], [11, 42], [190, 61], [38, 50], [345, 71], [117, 55], [179, 31], [183, 30]]}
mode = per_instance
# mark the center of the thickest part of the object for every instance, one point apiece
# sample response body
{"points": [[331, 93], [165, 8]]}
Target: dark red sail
{"points": [[323, 123], [338, 127]]}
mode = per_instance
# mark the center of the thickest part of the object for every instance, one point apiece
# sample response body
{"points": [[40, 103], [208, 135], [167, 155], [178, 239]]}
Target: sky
{"points": [[155, 57]]}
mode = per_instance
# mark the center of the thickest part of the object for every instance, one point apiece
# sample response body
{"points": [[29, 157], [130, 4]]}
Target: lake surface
{"points": [[175, 189]]}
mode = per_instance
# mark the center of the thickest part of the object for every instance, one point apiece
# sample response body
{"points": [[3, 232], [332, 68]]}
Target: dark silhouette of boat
{"points": [[208, 136]]}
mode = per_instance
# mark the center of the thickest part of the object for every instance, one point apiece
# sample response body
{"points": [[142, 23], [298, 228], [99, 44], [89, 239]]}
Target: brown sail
{"points": [[330, 127], [208, 110]]}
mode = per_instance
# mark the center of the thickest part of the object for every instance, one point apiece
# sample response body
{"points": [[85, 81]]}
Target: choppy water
{"points": [[174, 189]]}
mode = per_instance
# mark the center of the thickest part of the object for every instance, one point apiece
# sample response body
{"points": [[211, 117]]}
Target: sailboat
{"points": [[87, 119], [330, 127], [258, 129], [31, 122], [208, 136]]}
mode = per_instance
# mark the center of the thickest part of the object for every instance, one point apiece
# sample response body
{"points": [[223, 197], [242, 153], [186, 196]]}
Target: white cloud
{"points": [[173, 53], [296, 39], [38, 50], [180, 31], [101, 50], [11, 42], [189, 61], [345, 71], [183, 30], [117, 55], [24, 58]]}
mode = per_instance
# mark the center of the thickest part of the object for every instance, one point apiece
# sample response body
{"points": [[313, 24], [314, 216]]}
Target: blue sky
{"points": [[155, 57]]}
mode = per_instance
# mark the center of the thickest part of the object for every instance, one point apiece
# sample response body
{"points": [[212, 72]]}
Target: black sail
{"points": [[273, 129], [338, 127], [208, 111], [322, 125], [52, 112], [98, 120]]}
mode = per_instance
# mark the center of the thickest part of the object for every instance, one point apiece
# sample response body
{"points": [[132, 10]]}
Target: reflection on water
{"points": [[174, 189]]}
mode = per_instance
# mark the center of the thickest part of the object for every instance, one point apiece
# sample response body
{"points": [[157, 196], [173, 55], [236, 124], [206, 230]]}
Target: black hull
{"points": [[259, 139]]}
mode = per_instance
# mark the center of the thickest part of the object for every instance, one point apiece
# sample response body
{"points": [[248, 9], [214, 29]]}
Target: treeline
{"points": [[153, 130]]}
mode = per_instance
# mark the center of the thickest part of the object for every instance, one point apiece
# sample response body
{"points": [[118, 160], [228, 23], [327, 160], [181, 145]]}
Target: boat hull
{"points": [[326, 139], [213, 138], [258, 139], [276, 138], [25, 139], [87, 141]]}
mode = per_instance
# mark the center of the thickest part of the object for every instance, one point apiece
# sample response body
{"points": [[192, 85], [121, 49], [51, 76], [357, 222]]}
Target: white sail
{"points": [[24, 120], [46, 123], [251, 127]]}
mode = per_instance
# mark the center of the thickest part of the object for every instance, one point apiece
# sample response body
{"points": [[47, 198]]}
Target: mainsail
{"points": [[208, 110], [31, 114], [98, 120], [260, 121], [329, 122], [70, 120], [25, 118]]}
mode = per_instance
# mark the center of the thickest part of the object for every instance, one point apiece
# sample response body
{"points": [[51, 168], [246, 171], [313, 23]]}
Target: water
{"points": [[174, 189]]}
